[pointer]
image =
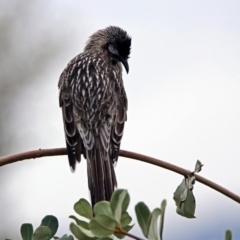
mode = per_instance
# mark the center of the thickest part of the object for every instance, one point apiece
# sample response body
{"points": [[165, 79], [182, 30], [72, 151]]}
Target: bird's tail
{"points": [[101, 175]]}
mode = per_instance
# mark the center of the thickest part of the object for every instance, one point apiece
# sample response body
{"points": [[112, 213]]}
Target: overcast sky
{"points": [[183, 91]]}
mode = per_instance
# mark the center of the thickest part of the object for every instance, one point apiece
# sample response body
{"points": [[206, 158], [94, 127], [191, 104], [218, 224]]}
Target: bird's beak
{"points": [[115, 54], [125, 64]]}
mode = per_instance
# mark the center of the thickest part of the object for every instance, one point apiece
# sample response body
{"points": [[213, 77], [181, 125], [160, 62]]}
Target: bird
{"points": [[94, 107]]}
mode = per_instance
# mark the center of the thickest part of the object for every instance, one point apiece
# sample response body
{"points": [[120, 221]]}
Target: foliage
{"points": [[183, 196], [105, 221], [109, 219], [45, 231], [228, 235]]}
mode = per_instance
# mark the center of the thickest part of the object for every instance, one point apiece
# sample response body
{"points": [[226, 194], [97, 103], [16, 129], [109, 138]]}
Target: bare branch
{"points": [[136, 156], [32, 154]]}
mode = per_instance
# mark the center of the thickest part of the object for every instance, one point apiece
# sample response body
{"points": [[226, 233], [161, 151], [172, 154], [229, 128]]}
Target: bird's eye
{"points": [[112, 49]]}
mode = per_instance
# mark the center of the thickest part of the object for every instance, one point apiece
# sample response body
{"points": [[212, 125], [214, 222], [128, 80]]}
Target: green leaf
{"points": [[51, 222], [125, 219], [163, 208], [126, 202], [66, 237], [115, 197], [119, 235], [26, 231], [103, 208], [198, 166], [128, 228], [117, 203], [228, 235], [42, 233], [187, 207], [180, 194], [81, 233], [184, 198], [153, 227], [190, 181], [102, 226], [143, 216], [80, 222], [83, 208], [70, 237]]}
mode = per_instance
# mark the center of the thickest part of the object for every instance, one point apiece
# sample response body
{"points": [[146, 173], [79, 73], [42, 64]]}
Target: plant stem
{"points": [[119, 230]]}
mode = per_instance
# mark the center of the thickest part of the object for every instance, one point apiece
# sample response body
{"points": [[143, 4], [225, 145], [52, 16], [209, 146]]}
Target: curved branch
{"points": [[136, 156]]}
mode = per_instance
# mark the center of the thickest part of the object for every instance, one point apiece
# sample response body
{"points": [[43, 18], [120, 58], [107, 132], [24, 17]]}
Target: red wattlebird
{"points": [[94, 106]]}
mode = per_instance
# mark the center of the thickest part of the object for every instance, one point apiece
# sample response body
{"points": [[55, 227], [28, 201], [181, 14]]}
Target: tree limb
{"points": [[136, 156]]}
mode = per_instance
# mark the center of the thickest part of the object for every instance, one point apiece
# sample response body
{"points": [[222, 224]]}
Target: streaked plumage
{"points": [[94, 106]]}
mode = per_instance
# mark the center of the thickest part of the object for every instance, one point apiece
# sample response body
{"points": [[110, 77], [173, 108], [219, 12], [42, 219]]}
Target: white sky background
{"points": [[183, 91]]}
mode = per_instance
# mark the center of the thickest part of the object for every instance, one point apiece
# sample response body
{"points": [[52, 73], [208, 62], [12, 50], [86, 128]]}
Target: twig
{"points": [[136, 156], [118, 230]]}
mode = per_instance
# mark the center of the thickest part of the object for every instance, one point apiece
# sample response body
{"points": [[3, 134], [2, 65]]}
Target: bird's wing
{"points": [[73, 140], [118, 126]]}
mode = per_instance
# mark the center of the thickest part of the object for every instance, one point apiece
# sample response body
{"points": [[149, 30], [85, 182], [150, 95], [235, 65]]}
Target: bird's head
{"points": [[114, 43]]}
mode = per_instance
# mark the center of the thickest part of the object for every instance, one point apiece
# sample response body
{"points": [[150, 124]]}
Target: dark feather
{"points": [[73, 140], [101, 175]]}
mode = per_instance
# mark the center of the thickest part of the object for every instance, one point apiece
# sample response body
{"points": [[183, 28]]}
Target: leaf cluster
{"points": [[183, 196], [105, 220], [45, 231], [148, 221]]}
